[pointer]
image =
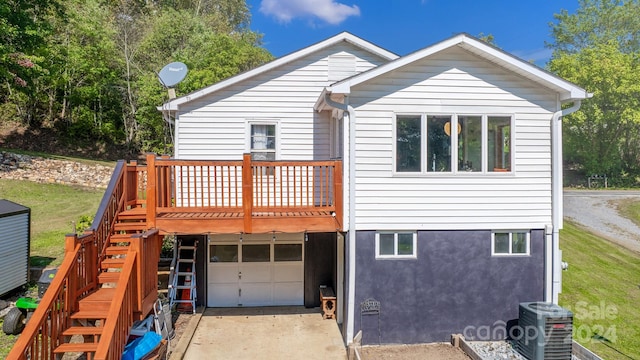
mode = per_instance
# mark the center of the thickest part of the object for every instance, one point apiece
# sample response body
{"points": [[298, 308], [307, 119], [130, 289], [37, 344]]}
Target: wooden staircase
{"points": [[93, 310], [107, 280]]}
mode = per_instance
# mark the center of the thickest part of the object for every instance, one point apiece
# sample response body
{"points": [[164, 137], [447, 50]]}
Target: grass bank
{"points": [[601, 287], [54, 209]]}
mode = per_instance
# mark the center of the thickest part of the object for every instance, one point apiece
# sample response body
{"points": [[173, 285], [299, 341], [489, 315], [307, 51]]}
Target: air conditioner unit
{"points": [[545, 331]]}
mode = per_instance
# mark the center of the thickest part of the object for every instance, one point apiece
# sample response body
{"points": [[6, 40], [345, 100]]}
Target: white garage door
{"points": [[255, 274]]}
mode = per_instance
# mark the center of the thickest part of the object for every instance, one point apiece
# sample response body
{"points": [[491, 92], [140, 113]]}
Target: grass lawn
{"points": [[629, 208], [601, 287], [54, 209]]}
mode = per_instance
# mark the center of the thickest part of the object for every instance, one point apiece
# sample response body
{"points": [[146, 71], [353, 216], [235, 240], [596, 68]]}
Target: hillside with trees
{"points": [[77, 73], [598, 48], [82, 74]]}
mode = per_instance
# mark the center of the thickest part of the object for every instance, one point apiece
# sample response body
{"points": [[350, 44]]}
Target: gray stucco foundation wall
{"points": [[454, 286]]}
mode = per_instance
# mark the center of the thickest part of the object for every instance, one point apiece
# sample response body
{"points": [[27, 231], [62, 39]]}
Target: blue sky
{"points": [[520, 27]]}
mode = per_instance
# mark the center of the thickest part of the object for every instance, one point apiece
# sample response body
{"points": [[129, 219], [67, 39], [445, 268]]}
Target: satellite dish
{"points": [[172, 74]]}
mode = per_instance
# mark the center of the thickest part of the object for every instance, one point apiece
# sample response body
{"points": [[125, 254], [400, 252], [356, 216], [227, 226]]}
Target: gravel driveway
{"points": [[596, 210]]}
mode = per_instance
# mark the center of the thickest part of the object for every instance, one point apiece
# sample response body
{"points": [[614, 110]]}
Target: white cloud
{"points": [[327, 10]]}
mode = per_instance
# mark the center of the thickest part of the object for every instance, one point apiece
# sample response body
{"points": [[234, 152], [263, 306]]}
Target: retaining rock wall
{"points": [[53, 171]]}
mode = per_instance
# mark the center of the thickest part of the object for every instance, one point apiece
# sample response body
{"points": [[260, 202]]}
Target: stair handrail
{"points": [[43, 332], [113, 202], [120, 316]]}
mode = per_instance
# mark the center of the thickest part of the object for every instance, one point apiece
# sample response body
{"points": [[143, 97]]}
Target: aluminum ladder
{"points": [[182, 290]]}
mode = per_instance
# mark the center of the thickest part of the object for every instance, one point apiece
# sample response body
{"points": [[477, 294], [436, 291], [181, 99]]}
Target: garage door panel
{"points": [[223, 295], [288, 272], [256, 294], [254, 273], [291, 293], [220, 274]]}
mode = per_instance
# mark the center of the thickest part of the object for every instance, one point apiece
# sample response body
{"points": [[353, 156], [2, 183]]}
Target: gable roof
{"points": [[567, 90], [344, 36]]}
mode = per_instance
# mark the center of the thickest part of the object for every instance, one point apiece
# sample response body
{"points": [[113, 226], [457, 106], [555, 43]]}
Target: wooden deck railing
{"points": [[247, 187], [119, 194], [118, 324], [148, 246], [78, 275], [43, 332]]}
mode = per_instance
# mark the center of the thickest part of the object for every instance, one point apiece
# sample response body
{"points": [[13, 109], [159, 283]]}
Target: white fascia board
{"points": [[344, 36], [320, 103], [571, 91], [567, 90]]}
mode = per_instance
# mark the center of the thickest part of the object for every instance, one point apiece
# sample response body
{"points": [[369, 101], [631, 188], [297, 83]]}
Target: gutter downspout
{"points": [[553, 265], [352, 214]]}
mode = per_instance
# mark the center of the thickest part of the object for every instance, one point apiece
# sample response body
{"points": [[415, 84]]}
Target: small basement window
{"points": [[396, 245], [510, 243]]}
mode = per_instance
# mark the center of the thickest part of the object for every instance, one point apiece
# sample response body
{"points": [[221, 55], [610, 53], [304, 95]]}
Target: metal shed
{"points": [[15, 240]]}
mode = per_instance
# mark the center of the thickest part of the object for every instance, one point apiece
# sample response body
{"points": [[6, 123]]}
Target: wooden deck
{"points": [[193, 197], [166, 196]]}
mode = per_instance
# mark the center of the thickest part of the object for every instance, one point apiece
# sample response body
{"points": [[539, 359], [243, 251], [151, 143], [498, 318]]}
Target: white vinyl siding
{"points": [[457, 83], [213, 127]]}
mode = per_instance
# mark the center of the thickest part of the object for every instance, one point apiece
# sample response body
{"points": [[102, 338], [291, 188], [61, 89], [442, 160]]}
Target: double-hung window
{"points": [[396, 245], [453, 143], [263, 142]]}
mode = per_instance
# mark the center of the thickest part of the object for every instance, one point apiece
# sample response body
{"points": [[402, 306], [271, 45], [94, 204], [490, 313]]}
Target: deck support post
{"points": [[151, 191], [247, 192], [136, 246]]}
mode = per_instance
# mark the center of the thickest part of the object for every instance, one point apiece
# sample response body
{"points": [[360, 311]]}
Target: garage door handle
{"points": [[240, 275]]}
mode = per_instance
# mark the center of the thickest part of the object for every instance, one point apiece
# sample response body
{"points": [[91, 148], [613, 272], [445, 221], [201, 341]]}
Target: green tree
{"points": [[598, 21], [88, 70], [598, 48], [24, 25], [604, 135], [180, 35]]}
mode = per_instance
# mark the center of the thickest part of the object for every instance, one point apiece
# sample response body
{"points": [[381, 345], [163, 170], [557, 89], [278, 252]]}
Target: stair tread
{"points": [[117, 250], [90, 314], [109, 276], [120, 238], [134, 211], [76, 347], [102, 294], [83, 330], [112, 263], [130, 226]]}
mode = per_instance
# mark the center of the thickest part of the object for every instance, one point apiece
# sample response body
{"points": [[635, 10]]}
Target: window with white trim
{"points": [[510, 243], [262, 139], [263, 142], [396, 245], [427, 143]]}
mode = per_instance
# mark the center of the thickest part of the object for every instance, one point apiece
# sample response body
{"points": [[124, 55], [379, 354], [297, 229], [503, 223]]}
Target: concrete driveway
{"points": [[265, 333]]}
